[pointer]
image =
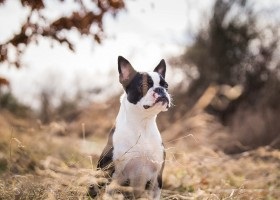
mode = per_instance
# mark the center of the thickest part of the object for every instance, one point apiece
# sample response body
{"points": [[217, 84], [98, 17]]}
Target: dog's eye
{"points": [[150, 82], [165, 85]]}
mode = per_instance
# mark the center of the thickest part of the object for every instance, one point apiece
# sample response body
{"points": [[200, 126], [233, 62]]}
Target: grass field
{"points": [[57, 161]]}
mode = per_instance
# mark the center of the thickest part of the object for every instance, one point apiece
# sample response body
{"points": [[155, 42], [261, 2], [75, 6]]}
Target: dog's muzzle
{"points": [[161, 98]]}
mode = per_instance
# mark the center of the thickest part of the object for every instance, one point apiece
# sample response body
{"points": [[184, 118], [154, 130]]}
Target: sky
{"points": [[146, 32]]}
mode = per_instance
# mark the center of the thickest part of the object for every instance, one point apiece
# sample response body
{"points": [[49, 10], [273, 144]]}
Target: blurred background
{"points": [[58, 79]]}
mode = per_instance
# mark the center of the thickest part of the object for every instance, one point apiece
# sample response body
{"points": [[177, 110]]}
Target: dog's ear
{"points": [[161, 68], [126, 71]]}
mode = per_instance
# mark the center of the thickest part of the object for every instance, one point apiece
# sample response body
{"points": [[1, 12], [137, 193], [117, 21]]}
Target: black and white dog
{"points": [[134, 155]]}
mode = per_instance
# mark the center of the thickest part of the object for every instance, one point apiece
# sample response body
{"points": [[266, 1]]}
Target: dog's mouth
{"points": [[147, 106], [163, 100]]}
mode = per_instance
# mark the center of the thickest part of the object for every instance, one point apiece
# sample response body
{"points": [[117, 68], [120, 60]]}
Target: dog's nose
{"points": [[159, 91]]}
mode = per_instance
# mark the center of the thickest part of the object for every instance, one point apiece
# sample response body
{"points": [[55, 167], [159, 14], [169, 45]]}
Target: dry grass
{"points": [[36, 163]]}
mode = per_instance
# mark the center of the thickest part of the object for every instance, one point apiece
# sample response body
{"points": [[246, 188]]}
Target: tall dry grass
{"points": [[37, 163]]}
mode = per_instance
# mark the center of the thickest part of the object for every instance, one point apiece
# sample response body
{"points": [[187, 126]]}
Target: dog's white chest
{"points": [[137, 148], [136, 142]]}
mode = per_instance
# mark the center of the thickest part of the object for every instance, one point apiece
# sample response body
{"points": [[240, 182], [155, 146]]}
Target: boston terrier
{"points": [[134, 155]]}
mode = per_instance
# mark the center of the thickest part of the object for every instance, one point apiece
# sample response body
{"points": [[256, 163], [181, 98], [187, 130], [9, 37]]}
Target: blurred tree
{"points": [[86, 20], [239, 47], [225, 52]]}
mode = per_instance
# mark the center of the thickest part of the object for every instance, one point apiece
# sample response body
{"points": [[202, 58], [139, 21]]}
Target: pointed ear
{"points": [[161, 68], [126, 71]]}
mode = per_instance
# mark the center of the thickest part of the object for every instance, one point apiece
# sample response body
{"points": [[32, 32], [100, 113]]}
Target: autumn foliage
{"points": [[82, 20]]}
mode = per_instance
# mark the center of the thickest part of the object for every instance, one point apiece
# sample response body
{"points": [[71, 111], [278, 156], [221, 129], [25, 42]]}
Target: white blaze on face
{"points": [[156, 78], [150, 98]]}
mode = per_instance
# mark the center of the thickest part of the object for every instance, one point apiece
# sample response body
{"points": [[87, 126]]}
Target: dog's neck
{"points": [[131, 115]]}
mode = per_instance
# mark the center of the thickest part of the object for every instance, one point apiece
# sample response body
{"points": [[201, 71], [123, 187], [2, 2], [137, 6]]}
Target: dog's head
{"points": [[146, 90]]}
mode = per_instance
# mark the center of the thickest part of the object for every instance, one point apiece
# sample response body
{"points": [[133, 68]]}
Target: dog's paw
{"points": [[95, 189], [116, 191]]}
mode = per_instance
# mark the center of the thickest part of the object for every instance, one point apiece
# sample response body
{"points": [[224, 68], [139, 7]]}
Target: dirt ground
{"points": [[57, 161]]}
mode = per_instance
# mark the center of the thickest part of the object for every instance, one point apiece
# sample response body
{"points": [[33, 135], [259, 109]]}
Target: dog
{"points": [[134, 155]]}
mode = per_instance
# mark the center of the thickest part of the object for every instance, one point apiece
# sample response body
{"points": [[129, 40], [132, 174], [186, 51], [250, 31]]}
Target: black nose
{"points": [[159, 91]]}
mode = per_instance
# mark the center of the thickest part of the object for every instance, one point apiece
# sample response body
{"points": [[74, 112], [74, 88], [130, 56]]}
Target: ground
{"points": [[57, 161]]}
